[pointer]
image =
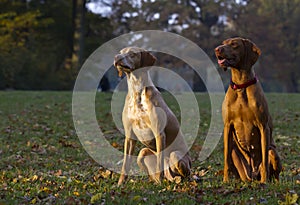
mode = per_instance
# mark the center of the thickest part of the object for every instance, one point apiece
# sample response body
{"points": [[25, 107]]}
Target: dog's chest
{"points": [[239, 106], [138, 109], [240, 112], [137, 106], [138, 114]]}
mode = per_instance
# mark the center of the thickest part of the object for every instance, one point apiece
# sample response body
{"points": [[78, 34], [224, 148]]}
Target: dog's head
{"points": [[132, 58], [237, 53]]}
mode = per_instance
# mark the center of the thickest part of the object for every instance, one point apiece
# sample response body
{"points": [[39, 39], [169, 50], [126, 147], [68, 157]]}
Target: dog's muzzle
{"points": [[121, 65]]}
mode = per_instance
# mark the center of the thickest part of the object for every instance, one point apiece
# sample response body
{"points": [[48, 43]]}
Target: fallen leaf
{"points": [[137, 198], [37, 148], [66, 143], [116, 145], [33, 201], [290, 198], [58, 173], [96, 198], [196, 148], [106, 174], [34, 177]]}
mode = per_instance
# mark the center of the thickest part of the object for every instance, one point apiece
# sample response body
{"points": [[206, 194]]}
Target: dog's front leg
{"points": [[128, 151], [160, 145], [265, 143], [227, 151], [158, 120]]}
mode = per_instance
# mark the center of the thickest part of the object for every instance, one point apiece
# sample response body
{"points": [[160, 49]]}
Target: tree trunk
{"points": [[78, 22], [294, 83]]}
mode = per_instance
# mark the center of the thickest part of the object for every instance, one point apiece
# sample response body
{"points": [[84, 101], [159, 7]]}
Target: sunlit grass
{"points": [[43, 162]]}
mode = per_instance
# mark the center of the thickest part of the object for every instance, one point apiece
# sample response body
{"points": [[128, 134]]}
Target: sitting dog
{"points": [[147, 118], [249, 149]]}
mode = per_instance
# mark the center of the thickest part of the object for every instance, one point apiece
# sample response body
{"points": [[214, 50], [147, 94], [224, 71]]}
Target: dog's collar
{"points": [[244, 85]]}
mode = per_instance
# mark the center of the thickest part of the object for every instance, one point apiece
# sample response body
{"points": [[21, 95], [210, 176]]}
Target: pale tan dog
{"points": [[147, 118], [249, 149]]}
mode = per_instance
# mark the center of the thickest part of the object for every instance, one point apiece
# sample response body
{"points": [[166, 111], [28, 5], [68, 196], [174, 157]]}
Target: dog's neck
{"points": [[241, 76], [137, 81]]}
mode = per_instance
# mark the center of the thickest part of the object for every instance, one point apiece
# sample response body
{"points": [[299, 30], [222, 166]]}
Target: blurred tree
{"points": [[43, 42], [15, 39], [39, 39], [78, 30], [273, 25], [204, 22], [30, 40]]}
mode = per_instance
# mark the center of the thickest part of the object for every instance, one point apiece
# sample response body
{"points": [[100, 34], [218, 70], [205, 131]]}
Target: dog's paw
{"points": [[225, 180], [122, 178], [183, 169], [157, 178]]}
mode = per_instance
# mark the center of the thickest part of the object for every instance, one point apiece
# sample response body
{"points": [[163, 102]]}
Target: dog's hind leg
{"points": [[274, 164], [147, 162], [180, 165]]}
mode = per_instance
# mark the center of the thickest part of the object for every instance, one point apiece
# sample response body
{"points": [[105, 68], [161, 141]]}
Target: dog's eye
{"points": [[234, 44], [131, 55]]}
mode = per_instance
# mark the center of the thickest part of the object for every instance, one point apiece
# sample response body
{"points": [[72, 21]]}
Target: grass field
{"points": [[43, 162]]}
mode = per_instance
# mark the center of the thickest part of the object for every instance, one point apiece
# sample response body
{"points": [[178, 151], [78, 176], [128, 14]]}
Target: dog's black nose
{"points": [[118, 57]]}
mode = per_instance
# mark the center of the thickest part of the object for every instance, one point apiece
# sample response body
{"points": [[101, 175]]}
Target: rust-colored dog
{"points": [[147, 118], [249, 149]]}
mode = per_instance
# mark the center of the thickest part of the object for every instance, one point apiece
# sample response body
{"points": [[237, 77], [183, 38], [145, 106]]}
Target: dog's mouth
{"points": [[122, 68], [224, 62], [221, 60]]}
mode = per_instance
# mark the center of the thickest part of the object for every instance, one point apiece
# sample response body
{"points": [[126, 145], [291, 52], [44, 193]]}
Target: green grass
{"points": [[43, 162]]}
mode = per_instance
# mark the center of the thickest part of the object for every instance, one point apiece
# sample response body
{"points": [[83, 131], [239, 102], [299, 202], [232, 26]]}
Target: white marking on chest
{"points": [[137, 109], [137, 106], [138, 113]]}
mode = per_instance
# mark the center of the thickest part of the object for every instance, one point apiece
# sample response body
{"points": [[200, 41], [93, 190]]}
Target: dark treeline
{"points": [[43, 43]]}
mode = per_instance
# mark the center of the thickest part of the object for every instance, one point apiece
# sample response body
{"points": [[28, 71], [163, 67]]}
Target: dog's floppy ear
{"points": [[147, 59], [149, 91], [252, 52]]}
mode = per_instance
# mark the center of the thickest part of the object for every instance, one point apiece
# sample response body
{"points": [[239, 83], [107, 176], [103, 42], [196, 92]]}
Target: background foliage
{"points": [[44, 43]]}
